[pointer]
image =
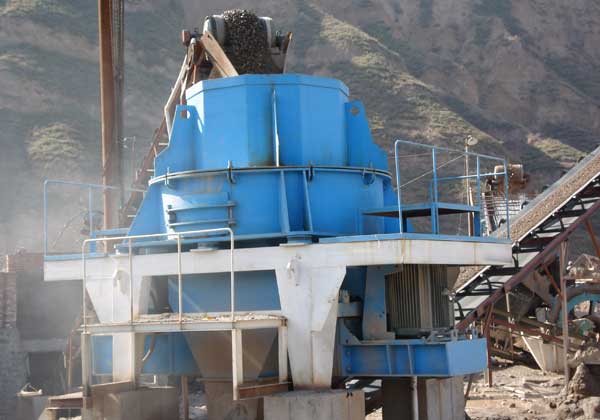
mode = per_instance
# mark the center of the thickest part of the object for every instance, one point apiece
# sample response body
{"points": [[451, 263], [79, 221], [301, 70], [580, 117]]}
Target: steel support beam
{"points": [[111, 159], [552, 280], [527, 269]]}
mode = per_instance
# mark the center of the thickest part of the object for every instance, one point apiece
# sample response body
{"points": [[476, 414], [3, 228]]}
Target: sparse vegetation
{"points": [[412, 58], [576, 68], [501, 9], [55, 148], [555, 149], [483, 30], [23, 8]]}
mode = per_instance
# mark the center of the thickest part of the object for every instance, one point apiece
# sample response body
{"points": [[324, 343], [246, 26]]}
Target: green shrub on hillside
{"points": [[55, 148]]}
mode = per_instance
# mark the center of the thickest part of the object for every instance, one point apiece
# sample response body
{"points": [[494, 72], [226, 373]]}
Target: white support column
{"points": [[237, 361], [128, 351], [282, 340], [112, 299], [309, 301]]}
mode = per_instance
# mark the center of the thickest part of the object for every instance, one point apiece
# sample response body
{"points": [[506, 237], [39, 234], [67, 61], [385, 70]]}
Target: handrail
{"points": [[90, 188], [447, 149], [129, 240], [398, 186], [434, 183]]}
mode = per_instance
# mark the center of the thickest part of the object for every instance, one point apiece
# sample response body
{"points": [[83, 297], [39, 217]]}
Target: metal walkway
{"points": [[536, 233]]}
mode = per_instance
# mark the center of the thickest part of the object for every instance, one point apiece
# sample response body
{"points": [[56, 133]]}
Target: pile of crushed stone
{"points": [[246, 44], [582, 398]]}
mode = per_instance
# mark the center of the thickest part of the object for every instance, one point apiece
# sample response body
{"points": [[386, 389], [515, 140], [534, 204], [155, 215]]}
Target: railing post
{"points": [[232, 278], [479, 200], [179, 279], [91, 217], [506, 197], [83, 286], [434, 208], [130, 283], [45, 210], [85, 346], [398, 186]]}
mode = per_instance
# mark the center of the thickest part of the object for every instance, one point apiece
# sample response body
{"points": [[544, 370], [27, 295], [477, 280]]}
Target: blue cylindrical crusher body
{"points": [[274, 157]]}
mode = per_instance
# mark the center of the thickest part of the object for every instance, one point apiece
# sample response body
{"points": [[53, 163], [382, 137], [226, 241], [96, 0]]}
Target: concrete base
{"points": [[31, 407], [220, 404], [141, 404], [439, 399], [316, 405]]}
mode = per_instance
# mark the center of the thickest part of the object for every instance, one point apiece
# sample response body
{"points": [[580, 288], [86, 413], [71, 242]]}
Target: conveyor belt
{"points": [[536, 230]]}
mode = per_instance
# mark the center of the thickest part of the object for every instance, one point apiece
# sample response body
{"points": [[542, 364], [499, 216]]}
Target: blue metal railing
{"points": [[90, 205], [435, 181]]}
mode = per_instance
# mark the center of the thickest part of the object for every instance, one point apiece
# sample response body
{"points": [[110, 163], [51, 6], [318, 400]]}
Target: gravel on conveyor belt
{"points": [[543, 205], [246, 43]]}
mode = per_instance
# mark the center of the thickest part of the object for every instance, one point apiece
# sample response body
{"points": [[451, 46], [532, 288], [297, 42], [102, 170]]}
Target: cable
{"points": [[428, 172]]}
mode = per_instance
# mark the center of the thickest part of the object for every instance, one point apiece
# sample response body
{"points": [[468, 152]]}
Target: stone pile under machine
{"points": [[273, 260]]}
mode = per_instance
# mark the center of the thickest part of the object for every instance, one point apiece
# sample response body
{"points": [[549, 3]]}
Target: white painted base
{"points": [[308, 278]]}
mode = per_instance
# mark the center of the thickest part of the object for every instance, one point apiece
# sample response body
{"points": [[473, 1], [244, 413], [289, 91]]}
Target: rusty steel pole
{"points": [[110, 142], [565, 313]]}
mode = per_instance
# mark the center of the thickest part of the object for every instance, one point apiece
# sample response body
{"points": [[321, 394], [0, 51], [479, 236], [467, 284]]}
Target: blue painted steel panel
{"points": [[280, 201], [414, 358], [235, 115], [354, 282], [254, 291], [102, 354], [171, 355], [362, 151]]}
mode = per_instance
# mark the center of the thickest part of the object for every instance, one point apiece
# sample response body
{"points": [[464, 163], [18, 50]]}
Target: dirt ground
{"points": [[518, 392]]}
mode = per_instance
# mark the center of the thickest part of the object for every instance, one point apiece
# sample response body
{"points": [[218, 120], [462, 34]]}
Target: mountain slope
{"points": [[519, 75]]}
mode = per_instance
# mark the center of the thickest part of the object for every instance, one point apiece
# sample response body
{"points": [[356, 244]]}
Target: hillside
{"points": [[520, 75]]}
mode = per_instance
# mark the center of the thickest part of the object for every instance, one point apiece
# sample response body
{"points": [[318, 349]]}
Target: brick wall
{"points": [[13, 360], [8, 300], [13, 371], [23, 261], [30, 309]]}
